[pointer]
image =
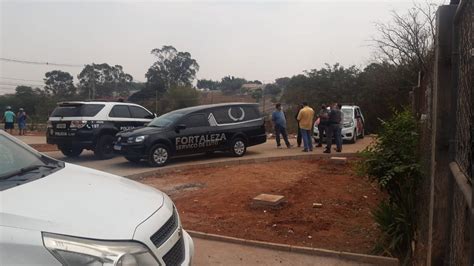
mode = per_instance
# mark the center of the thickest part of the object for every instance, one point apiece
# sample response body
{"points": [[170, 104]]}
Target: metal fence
{"points": [[464, 23]]}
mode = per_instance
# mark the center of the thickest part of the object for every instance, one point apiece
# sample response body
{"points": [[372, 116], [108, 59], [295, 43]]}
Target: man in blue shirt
{"points": [[279, 123], [9, 119]]}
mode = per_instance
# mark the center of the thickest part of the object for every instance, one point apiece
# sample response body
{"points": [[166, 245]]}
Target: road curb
{"points": [[157, 172], [353, 257]]}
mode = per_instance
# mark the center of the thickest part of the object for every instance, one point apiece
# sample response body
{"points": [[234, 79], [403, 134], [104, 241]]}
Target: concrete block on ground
{"points": [[268, 200], [338, 160]]}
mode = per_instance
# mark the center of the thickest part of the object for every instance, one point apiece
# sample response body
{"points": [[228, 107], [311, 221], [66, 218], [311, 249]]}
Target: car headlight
{"points": [[79, 251], [138, 139], [349, 124]]}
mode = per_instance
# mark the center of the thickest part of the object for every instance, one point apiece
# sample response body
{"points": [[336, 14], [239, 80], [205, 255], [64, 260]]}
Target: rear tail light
{"points": [[78, 124]]}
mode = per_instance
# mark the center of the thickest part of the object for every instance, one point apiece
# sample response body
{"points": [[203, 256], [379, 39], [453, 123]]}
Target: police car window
{"points": [[196, 120], [71, 110], [166, 119], [120, 111], [138, 112]]}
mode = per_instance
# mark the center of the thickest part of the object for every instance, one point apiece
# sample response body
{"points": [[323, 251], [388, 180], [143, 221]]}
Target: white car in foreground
{"points": [[55, 213]]}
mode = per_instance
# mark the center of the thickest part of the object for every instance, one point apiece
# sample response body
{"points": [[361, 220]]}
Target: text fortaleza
{"points": [[199, 141]]}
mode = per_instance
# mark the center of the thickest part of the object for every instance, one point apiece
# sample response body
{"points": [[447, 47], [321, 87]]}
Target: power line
{"points": [[38, 63], [22, 79]]}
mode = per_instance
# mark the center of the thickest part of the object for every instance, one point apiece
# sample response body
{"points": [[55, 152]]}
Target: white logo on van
{"points": [[236, 118]]}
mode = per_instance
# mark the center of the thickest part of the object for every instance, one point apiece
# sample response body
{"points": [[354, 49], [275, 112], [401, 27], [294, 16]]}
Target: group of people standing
{"points": [[9, 118], [329, 121]]}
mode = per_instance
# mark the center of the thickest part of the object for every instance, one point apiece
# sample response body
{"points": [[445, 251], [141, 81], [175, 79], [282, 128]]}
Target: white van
{"points": [[55, 213]]}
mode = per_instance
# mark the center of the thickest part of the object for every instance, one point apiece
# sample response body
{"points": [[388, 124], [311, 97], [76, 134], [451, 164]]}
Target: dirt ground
{"points": [[218, 200]]}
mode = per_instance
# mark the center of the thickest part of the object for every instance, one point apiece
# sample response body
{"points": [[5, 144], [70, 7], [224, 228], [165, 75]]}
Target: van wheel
{"points": [[69, 151], [104, 147], [159, 155], [238, 147], [133, 159]]}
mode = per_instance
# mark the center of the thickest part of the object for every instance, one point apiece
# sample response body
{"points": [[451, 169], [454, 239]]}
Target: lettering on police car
{"points": [[199, 141]]}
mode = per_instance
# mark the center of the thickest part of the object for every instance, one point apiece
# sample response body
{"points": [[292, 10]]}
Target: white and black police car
{"points": [[75, 126], [201, 129]]}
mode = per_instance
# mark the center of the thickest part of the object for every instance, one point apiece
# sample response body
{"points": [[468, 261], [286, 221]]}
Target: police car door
{"points": [[194, 138]]}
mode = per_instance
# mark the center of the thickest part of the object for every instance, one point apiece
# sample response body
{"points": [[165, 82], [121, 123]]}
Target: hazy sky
{"points": [[252, 39]]}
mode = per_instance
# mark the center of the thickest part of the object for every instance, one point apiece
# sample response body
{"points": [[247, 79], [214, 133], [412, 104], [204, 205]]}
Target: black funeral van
{"points": [[201, 129]]}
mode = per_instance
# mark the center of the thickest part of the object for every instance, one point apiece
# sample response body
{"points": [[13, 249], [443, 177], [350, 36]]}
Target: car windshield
{"points": [[166, 119], [18, 161], [348, 114], [74, 110]]}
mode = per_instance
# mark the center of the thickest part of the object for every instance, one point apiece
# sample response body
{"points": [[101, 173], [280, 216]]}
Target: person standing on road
{"points": [[339, 128], [305, 122], [21, 118], [9, 119], [323, 123], [333, 129], [298, 136], [279, 123]]}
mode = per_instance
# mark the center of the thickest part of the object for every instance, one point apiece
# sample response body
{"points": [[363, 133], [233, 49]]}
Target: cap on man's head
{"points": [[8, 108], [21, 109]]}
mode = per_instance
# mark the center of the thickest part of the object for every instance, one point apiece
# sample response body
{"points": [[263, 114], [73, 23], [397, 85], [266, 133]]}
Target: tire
{"points": [[104, 147], [159, 155], [354, 137], [238, 147], [69, 151], [133, 159]]}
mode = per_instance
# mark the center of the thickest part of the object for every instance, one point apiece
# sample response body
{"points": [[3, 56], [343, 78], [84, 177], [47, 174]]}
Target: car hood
{"points": [[81, 202], [141, 131]]}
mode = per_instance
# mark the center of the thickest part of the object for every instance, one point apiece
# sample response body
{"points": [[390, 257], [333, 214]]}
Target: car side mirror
{"points": [[180, 127]]}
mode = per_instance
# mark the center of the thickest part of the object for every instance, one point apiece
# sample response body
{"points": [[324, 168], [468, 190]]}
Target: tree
{"points": [[282, 82], [172, 68], [272, 89], [103, 80], [408, 39], [208, 84], [59, 84], [231, 84]]}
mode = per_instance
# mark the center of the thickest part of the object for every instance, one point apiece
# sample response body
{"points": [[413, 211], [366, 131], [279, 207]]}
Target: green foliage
{"points": [[59, 84], [208, 84], [231, 85], [377, 89], [392, 161], [104, 81], [172, 68]]}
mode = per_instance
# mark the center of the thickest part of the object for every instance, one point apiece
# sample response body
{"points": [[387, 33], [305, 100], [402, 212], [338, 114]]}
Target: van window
{"points": [[195, 120], [235, 114], [74, 110], [138, 112], [120, 111]]}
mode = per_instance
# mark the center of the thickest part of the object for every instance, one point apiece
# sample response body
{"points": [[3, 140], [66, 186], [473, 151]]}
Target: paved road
{"points": [[120, 166]]}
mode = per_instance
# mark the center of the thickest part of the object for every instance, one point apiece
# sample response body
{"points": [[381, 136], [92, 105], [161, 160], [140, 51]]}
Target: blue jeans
{"points": [[338, 138], [307, 140], [281, 130]]}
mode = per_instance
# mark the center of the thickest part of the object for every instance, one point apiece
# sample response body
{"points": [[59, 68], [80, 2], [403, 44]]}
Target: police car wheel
{"points": [[70, 151], [133, 159], [159, 155], [238, 147], [104, 148]]}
